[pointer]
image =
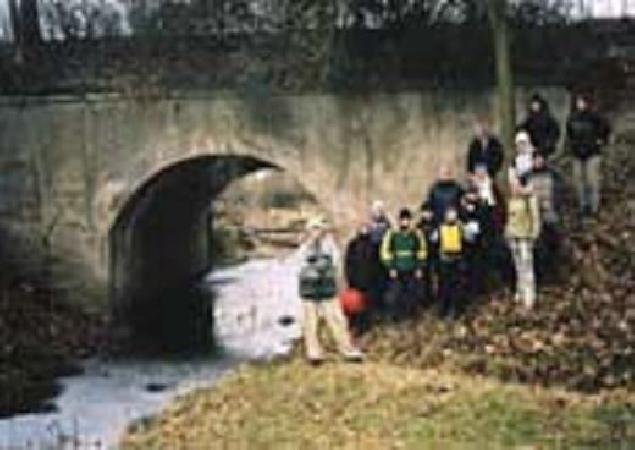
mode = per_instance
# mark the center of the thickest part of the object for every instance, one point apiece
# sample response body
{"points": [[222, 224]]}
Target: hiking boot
{"points": [[316, 361]]}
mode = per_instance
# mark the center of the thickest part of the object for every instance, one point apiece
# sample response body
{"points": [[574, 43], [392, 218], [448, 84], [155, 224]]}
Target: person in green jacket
{"points": [[404, 253]]}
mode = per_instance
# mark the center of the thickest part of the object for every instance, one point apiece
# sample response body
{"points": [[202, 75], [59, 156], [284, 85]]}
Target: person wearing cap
{"points": [[319, 281], [485, 150], [378, 222], [378, 225], [542, 127], [587, 133], [523, 228], [523, 162], [404, 253], [451, 236]]}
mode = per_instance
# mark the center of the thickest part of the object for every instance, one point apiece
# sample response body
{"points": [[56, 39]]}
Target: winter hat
{"points": [[316, 223], [522, 137], [377, 207], [537, 98], [405, 213]]}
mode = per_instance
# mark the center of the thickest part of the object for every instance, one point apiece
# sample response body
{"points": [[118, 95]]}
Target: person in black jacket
{"points": [[445, 192], [542, 127], [587, 133], [485, 149], [427, 227], [362, 267], [476, 217]]}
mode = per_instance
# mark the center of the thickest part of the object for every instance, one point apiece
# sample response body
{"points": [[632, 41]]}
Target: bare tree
{"points": [[25, 22], [499, 21]]}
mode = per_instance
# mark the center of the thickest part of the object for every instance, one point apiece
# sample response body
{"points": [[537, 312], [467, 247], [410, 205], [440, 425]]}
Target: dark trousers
{"points": [[547, 254], [377, 291], [451, 286], [361, 322], [404, 295], [475, 269]]}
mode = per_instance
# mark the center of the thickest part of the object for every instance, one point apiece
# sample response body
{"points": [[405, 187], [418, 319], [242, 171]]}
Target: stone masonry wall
{"points": [[68, 165]]}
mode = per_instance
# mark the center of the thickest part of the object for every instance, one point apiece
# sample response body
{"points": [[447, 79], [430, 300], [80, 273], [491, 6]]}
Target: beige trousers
{"points": [[331, 312], [523, 255], [587, 177]]}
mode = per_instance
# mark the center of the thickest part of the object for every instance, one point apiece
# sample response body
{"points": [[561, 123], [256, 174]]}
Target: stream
{"points": [[255, 310]]}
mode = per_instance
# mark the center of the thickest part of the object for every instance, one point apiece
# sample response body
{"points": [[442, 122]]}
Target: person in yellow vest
{"points": [[404, 253], [450, 236], [523, 228]]}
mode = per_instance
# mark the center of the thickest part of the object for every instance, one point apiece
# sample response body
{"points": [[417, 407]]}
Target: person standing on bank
{"points": [[451, 238], [362, 268], [485, 150], [523, 228], [542, 127], [446, 192], [404, 254], [378, 225], [523, 162], [319, 278], [587, 133]]}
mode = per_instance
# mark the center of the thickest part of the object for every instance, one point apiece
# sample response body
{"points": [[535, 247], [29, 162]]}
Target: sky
{"points": [[596, 8], [609, 8]]}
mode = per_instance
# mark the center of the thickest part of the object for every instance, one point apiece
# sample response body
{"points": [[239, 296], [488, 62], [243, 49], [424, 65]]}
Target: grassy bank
{"points": [[496, 378], [382, 406]]}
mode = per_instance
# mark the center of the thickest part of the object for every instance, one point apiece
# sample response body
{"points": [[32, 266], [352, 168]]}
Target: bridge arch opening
{"points": [[160, 248]]}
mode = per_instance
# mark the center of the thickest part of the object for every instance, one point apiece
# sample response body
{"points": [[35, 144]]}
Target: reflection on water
{"points": [[255, 316]]}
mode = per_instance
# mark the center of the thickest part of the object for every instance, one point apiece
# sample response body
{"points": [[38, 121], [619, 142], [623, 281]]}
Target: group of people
{"points": [[462, 234]]}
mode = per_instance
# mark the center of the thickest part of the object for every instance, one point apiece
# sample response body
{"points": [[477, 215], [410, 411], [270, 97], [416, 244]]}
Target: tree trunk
{"points": [[497, 10], [31, 36], [25, 22], [16, 27]]}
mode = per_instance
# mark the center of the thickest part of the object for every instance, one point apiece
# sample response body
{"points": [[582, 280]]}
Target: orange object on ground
{"points": [[353, 301]]}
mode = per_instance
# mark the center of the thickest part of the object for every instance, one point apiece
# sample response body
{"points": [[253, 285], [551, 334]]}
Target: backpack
{"points": [[317, 275]]}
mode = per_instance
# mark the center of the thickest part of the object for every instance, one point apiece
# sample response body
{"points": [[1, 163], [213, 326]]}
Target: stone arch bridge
{"points": [[111, 192]]}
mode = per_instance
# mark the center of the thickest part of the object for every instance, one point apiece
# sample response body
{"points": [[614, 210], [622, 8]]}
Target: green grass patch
{"points": [[379, 406]]}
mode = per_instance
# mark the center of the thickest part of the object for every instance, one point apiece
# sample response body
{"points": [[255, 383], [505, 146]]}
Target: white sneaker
{"points": [[353, 355]]}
